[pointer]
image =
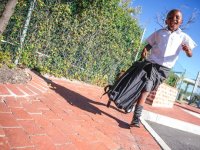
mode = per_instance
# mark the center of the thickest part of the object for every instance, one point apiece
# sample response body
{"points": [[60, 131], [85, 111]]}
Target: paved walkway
{"points": [[67, 115]]}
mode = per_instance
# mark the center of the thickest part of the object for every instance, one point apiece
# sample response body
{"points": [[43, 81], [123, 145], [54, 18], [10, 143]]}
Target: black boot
{"points": [[136, 117]]}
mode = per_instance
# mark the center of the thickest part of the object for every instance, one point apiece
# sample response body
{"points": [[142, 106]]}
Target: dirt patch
{"points": [[14, 75]]}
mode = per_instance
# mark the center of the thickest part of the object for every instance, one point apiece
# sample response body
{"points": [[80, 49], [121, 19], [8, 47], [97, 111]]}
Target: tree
{"points": [[160, 19], [7, 13]]}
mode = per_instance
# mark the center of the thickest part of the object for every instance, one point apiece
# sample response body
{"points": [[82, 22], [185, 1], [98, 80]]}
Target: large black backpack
{"points": [[127, 89]]}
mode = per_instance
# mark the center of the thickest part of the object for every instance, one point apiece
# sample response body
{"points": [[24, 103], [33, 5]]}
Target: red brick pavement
{"points": [[66, 115]]}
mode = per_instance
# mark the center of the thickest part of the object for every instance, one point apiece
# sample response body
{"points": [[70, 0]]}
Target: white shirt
{"points": [[166, 46]]}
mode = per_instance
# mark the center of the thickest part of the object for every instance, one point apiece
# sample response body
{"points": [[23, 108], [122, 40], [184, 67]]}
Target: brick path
{"points": [[67, 115]]}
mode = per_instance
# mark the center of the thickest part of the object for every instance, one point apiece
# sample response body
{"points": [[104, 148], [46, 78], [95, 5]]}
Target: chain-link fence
{"points": [[90, 42], [93, 43]]}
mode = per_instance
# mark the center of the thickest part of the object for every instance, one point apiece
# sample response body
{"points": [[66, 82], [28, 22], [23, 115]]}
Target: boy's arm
{"points": [[187, 50], [145, 51]]}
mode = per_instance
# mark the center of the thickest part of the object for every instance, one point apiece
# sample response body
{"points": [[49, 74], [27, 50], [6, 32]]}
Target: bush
{"points": [[86, 40], [172, 79]]}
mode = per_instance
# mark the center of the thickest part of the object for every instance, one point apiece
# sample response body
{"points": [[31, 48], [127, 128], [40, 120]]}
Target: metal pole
{"points": [[140, 44], [181, 82], [197, 83], [25, 29]]}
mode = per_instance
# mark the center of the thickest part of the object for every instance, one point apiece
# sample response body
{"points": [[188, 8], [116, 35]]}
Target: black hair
{"points": [[172, 11]]}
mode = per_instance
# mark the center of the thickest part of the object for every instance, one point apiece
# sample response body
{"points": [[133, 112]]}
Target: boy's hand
{"points": [[145, 51], [185, 47], [187, 50]]}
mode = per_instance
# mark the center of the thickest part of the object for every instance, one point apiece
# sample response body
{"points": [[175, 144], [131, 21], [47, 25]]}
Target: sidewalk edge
{"points": [[158, 139], [171, 122]]}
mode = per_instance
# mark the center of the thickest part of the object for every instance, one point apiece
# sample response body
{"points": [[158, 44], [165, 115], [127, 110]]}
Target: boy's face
{"points": [[174, 20]]}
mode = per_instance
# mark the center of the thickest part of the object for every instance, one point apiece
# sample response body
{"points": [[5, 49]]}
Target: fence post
{"points": [[181, 82], [197, 83], [22, 38]]}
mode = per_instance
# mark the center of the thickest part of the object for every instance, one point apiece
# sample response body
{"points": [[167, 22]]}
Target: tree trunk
{"points": [[8, 11]]}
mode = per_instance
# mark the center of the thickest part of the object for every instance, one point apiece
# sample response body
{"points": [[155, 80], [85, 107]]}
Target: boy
{"points": [[165, 45]]}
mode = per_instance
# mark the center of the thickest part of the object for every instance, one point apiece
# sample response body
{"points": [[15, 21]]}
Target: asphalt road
{"points": [[176, 139]]}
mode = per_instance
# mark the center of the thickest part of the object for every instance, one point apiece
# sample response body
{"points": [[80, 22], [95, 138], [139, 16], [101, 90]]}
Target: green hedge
{"points": [[88, 40]]}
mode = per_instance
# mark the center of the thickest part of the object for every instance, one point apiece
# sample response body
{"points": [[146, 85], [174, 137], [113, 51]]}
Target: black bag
{"points": [[127, 89]]}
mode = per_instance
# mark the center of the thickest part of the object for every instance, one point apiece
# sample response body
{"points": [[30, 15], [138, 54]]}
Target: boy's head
{"points": [[174, 19]]}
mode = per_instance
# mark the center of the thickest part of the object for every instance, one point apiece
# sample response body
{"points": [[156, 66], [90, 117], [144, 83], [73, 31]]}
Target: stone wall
{"points": [[164, 96]]}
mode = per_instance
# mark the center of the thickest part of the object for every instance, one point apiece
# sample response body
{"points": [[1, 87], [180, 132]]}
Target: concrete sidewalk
{"points": [[70, 115]]}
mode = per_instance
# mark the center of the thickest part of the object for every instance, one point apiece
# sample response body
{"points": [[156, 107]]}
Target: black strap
{"points": [[106, 89]]}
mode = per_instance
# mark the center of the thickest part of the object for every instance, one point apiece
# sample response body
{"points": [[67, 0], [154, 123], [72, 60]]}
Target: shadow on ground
{"points": [[80, 101]]}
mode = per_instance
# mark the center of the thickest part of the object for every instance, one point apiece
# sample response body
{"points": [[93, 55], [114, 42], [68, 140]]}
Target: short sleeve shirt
{"points": [[166, 46]]}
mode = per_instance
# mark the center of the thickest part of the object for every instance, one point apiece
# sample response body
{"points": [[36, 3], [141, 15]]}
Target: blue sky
{"points": [[147, 19]]}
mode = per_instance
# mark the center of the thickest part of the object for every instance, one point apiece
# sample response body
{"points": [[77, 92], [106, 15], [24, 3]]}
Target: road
{"points": [[176, 139]]}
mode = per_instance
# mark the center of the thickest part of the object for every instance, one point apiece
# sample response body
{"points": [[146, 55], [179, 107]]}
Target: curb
{"points": [[159, 140], [171, 122]]}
